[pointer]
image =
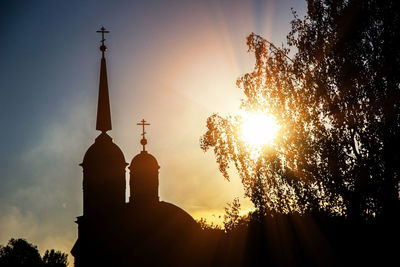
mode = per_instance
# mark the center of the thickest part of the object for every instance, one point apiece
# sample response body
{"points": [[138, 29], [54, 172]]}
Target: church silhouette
{"points": [[143, 232]]}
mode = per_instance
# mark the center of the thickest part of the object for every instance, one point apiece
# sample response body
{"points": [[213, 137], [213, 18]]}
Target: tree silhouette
{"points": [[53, 258], [20, 253], [232, 217], [336, 96]]}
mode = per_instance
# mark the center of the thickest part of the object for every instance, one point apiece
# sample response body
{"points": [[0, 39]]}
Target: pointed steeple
{"points": [[103, 122]]}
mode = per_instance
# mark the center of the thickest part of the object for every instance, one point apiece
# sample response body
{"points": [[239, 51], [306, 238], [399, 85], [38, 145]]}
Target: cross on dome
{"points": [[144, 140]]}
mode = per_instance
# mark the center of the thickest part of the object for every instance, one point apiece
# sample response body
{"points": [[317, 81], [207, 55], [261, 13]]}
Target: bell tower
{"points": [[143, 176], [104, 163]]}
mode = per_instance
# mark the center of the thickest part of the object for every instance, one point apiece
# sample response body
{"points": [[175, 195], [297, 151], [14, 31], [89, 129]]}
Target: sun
{"points": [[259, 129]]}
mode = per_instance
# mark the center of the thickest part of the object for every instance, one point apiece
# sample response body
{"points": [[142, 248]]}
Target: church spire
{"points": [[103, 122]]}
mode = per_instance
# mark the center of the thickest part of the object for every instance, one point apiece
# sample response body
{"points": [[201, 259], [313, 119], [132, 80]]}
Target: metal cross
{"points": [[102, 31], [103, 48], [143, 141]]}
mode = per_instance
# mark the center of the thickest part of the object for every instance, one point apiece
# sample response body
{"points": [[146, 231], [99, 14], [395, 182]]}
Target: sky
{"points": [[173, 63]]}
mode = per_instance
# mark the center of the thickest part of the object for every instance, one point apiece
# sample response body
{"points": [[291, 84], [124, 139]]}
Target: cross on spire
{"points": [[103, 48], [144, 140]]}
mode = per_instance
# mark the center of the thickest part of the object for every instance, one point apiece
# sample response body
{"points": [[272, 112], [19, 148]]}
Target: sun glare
{"points": [[259, 129]]}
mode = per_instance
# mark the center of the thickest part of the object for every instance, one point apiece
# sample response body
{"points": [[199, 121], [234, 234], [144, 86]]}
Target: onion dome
{"points": [[103, 152], [144, 160]]}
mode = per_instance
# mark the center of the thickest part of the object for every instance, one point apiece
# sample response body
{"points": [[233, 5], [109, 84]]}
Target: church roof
{"points": [[176, 213], [160, 214]]}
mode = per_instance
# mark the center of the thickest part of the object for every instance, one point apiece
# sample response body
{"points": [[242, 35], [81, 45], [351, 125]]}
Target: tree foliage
{"points": [[204, 225], [20, 253], [337, 99], [232, 217], [52, 258]]}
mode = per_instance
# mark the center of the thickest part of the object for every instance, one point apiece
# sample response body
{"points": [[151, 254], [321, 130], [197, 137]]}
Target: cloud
{"points": [[43, 196]]}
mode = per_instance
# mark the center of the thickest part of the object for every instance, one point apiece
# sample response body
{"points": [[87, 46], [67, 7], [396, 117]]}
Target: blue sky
{"points": [[173, 63]]}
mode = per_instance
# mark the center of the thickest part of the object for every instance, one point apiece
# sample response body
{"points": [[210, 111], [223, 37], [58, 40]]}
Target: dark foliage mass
{"points": [[20, 253], [334, 89], [304, 240], [327, 192]]}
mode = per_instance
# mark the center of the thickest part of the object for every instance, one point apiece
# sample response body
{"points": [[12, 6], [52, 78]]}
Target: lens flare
{"points": [[259, 129]]}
